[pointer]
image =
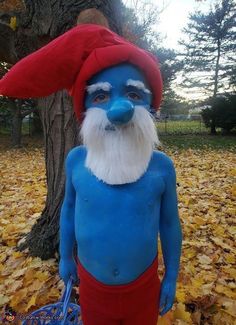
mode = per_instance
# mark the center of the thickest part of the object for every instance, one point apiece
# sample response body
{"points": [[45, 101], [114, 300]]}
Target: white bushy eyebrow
{"points": [[138, 84], [106, 86]]}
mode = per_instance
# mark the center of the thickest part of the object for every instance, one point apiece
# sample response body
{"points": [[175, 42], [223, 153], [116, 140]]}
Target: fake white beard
{"points": [[118, 154]]}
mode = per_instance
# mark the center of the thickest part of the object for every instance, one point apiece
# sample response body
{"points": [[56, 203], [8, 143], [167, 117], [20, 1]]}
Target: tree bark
{"points": [[61, 133], [216, 76], [36, 124], [213, 128], [58, 120]]}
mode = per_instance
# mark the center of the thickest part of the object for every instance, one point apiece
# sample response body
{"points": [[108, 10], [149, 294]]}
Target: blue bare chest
{"points": [[116, 226]]}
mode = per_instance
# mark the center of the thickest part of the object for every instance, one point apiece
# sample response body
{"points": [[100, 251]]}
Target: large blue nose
{"points": [[120, 112]]}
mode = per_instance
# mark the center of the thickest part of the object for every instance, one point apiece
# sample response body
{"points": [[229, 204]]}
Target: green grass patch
{"points": [[215, 142], [181, 127]]}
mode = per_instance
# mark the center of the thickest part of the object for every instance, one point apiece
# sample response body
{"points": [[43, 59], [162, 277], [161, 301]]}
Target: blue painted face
{"points": [[117, 90]]}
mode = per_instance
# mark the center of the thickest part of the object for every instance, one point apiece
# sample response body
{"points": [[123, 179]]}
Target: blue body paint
{"points": [[116, 226], [119, 102]]}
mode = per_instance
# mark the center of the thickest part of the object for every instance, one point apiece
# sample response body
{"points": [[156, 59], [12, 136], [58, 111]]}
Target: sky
{"points": [[171, 22], [175, 16]]}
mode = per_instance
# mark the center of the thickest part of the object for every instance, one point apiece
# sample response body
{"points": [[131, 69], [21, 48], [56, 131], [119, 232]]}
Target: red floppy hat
{"points": [[71, 59]]}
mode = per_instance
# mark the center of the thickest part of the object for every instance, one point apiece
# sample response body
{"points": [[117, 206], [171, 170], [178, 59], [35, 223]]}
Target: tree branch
{"points": [[28, 111]]}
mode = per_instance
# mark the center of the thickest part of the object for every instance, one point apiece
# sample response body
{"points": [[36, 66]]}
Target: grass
{"points": [[193, 134], [173, 134], [173, 142], [181, 127], [202, 142]]}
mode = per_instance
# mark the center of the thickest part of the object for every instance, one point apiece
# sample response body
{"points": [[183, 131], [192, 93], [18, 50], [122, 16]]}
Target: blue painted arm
{"points": [[67, 266], [171, 239]]}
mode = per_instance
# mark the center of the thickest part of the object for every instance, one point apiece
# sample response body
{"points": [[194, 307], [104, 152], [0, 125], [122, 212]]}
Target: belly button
{"points": [[116, 272], [85, 199]]}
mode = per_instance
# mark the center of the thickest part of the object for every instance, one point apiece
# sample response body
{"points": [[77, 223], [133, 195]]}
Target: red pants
{"points": [[135, 303]]}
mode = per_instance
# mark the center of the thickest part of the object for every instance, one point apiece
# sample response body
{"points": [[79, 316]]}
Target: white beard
{"points": [[118, 154]]}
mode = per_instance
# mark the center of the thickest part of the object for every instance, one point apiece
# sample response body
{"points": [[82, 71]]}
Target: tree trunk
{"points": [[60, 135], [36, 124], [213, 126], [216, 76], [42, 21], [16, 124]]}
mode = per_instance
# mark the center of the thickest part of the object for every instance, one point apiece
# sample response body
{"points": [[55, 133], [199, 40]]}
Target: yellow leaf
{"points": [[32, 302], [230, 258], [17, 254], [181, 314], [167, 319], [204, 259], [36, 285], [11, 243], [225, 290], [218, 241], [199, 221], [229, 305], [223, 318], [29, 276], [194, 292], [36, 263], [18, 297], [190, 252], [207, 288], [218, 231], [197, 283], [228, 270], [19, 273], [1, 267], [180, 295], [53, 294], [3, 299], [16, 285], [232, 172], [233, 190], [42, 276]]}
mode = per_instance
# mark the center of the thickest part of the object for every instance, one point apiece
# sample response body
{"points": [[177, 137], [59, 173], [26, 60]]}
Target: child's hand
{"points": [[168, 288], [67, 269]]}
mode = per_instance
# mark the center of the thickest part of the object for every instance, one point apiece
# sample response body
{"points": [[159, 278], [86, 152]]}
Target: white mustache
{"points": [[118, 154], [110, 127]]}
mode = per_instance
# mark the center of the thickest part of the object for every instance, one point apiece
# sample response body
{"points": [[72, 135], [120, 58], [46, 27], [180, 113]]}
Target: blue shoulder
{"points": [[75, 155], [165, 166], [75, 152], [162, 160]]}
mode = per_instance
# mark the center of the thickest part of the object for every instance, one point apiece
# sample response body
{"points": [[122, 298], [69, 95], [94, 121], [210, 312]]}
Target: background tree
{"points": [[221, 113], [25, 27], [170, 67], [15, 110], [209, 49], [139, 18], [140, 26]]}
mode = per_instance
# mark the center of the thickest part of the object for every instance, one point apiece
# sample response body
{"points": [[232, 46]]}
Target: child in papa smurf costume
{"points": [[120, 193]]}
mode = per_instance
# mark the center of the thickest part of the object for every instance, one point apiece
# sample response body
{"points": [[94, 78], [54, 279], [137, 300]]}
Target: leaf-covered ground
{"points": [[206, 187]]}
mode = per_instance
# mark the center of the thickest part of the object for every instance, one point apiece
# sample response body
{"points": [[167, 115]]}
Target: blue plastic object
{"points": [[60, 313]]}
